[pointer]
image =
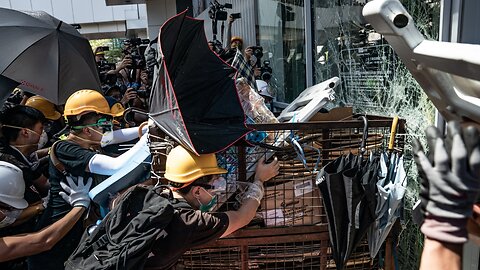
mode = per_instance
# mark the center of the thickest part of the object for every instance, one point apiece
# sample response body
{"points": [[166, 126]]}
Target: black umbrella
{"points": [[48, 57], [331, 185], [348, 190], [194, 98], [6, 87]]}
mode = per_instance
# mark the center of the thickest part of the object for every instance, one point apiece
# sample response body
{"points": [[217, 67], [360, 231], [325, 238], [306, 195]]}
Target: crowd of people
{"points": [[46, 178], [51, 156]]}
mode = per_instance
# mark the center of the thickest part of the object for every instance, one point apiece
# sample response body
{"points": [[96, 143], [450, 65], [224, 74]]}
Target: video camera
{"points": [[135, 47], [217, 11], [265, 70]]}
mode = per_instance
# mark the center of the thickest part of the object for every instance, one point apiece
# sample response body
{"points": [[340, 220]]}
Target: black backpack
{"points": [[126, 235]]}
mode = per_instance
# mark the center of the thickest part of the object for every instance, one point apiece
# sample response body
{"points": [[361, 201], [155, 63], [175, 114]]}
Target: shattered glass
{"points": [[374, 80]]}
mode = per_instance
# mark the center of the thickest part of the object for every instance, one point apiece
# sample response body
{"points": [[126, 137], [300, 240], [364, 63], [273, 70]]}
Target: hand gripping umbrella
{"points": [[48, 57], [194, 98]]}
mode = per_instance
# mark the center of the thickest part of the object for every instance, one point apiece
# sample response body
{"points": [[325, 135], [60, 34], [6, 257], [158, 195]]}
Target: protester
{"points": [[195, 181], [23, 135], [450, 187], [54, 122], [89, 118], [17, 246]]}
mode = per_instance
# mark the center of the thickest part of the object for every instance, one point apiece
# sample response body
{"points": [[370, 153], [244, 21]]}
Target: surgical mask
{"points": [[43, 140], [33, 131], [209, 206], [10, 217], [218, 187]]}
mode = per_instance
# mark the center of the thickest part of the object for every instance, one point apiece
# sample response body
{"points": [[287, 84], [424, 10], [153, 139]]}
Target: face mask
{"points": [[30, 130], [10, 217], [43, 140], [107, 138], [209, 206]]}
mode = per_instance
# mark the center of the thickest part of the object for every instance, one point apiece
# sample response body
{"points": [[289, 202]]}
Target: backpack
{"points": [[126, 235]]}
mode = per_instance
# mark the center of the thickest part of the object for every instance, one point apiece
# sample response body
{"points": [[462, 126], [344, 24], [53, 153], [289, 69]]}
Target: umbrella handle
{"points": [[393, 131], [363, 144]]}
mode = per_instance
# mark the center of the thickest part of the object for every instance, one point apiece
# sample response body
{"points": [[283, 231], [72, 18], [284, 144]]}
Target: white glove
{"points": [[255, 191], [77, 193]]}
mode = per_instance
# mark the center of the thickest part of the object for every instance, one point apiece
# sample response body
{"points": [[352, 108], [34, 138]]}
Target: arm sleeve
{"points": [[105, 165], [125, 135]]}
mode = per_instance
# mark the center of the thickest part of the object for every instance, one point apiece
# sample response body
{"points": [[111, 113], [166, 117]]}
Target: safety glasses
{"points": [[218, 186], [104, 123]]}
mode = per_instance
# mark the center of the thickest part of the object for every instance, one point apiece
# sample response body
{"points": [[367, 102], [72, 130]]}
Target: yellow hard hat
{"points": [[45, 106], [236, 38], [117, 109], [184, 167], [86, 101]]}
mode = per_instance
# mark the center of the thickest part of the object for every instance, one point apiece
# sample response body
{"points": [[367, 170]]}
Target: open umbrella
{"points": [[48, 57], [194, 99], [6, 87]]}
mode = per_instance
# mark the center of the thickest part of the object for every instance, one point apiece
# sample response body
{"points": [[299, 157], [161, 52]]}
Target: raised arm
{"points": [[22, 245]]}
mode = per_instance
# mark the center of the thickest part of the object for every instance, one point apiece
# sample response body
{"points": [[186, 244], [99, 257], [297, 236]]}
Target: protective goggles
{"points": [[218, 186], [104, 123]]}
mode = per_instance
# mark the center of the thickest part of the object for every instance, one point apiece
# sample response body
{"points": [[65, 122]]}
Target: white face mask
{"points": [[43, 140], [10, 217], [107, 138]]}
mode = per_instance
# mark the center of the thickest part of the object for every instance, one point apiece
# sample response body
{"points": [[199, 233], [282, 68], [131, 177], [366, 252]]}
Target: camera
{"points": [[135, 47], [266, 71], [217, 11], [135, 42], [257, 51], [236, 15], [103, 67]]}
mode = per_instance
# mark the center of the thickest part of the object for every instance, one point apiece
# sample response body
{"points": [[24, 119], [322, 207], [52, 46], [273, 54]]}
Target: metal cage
{"points": [[290, 229]]}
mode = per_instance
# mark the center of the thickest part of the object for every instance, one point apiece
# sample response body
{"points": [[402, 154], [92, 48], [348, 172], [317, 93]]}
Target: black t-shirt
{"points": [[188, 228], [30, 174], [75, 159]]}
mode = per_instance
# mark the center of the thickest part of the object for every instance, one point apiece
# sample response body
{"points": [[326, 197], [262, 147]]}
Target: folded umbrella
{"points": [[48, 57], [389, 201]]}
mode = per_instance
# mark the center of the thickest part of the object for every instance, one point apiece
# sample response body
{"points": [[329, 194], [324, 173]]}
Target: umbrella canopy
{"points": [[346, 187], [6, 87], [194, 98], [48, 57], [391, 186]]}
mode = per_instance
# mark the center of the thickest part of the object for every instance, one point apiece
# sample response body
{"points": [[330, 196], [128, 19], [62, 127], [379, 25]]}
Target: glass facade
{"points": [[281, 32]]}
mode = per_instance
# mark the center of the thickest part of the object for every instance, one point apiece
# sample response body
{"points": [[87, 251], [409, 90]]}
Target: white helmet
{"points": [[263, 88], [12, 186]]}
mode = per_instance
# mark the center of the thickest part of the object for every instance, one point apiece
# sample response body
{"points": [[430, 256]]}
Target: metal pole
{"points": [[307, 10]]}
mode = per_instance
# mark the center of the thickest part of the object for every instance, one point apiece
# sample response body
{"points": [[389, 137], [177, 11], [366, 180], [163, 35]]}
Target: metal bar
{"points": [[307, 10], [244, 257], [320, 125], [265, 240]]}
